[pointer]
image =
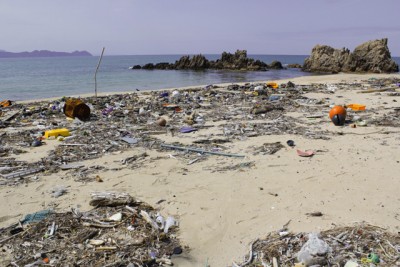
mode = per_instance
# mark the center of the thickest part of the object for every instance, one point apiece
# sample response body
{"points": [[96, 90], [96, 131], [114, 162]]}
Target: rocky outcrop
{"points": [[197, 62], [276, 65], [294, 66], [228, 61], [371, 57]]}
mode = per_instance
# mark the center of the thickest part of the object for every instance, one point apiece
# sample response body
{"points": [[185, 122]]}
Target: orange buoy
{"points": [[338, 115], [337, 110]]}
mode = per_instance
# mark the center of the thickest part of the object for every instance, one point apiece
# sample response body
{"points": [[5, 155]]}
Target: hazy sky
{"points": [[131, 27]]}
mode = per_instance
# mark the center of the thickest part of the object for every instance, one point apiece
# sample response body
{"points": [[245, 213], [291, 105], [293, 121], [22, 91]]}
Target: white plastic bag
{"points": [[314, 247]]}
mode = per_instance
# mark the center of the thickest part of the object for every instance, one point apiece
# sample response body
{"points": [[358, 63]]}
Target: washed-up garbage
{"points": [[307, 153], [187, 129], [5, 103], [115, 235], [131, 121], [358, 245], [57, 132], [76, 108], [356, 107], [338, 115]]}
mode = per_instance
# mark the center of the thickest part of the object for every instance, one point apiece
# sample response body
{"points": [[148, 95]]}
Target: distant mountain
{"points": [[44, 53]]}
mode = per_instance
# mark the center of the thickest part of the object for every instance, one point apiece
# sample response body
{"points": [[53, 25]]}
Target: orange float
{"points": [[338, 115], [337, 110]]}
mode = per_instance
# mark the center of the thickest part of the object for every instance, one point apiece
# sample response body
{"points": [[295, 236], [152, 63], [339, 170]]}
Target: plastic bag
{"points": [[314, 247]]}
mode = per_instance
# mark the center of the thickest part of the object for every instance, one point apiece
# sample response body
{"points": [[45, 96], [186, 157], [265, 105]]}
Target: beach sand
{"points": [[353, 177]]}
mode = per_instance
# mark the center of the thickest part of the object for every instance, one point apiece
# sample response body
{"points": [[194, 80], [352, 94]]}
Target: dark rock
{"points": [[197, 62], [371, 57], [136, 67], [148, 66], [290, 85], [294, 66], [228, 61], [276, 65], [163, 66], [326, 59]]}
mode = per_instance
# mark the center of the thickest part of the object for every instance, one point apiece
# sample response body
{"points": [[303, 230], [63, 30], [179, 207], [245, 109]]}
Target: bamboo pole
{"points": [[95, 74], [194, 149]]}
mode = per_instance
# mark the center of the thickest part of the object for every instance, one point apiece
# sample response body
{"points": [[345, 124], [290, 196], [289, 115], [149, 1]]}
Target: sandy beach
{"points": [[224, 203]]}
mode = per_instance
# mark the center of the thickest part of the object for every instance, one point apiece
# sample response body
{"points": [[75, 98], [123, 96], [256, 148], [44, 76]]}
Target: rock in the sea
{"points": [[148, 66], [197, 62], [136, 67], [294, 66], [276, 65], [326, 59], [163, 66], [372, 57], [228, 61]]}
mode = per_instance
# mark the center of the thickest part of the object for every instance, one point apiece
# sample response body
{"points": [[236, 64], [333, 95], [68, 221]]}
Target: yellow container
{"points": [[356, 107], [57, 132], [272, 85]]}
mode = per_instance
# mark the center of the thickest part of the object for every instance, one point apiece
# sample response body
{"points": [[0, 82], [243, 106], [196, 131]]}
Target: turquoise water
{"points": [[35, 78]]}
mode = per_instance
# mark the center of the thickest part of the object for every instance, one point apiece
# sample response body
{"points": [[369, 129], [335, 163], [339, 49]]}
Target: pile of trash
{"points": [[92, 127], [359, 245], [119, 231]]}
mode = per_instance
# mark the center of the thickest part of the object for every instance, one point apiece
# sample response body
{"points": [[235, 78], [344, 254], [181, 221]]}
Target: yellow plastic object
{"points": [[57, 132], [273, 85], [356, 107]]}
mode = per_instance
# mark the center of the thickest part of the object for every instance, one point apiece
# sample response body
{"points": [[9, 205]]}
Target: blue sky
{"points": [[137, 27]]}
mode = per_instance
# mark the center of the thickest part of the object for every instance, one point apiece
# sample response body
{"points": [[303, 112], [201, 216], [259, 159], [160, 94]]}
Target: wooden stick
{"points": [[95, 74]]}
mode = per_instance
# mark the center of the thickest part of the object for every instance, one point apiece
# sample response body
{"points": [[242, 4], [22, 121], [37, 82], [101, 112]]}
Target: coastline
{"points": [[303, 80], [352, 177]]}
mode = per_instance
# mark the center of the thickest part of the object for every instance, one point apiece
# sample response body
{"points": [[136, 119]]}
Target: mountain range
{"points": [[43, 53]]}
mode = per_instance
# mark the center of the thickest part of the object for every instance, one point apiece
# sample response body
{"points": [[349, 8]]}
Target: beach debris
{"points": [[76, 108], [5, 103], [36, 217], [314, 251], [338, 115], [290, 143], [111, 199], [187, 129], [57, 132], [22, 173], [58, 191], [198, 150], [268, 148], [356, 107], [121, 122], [315, 214], [161, 122], [357, 245], [120, 233], [307, 153]]}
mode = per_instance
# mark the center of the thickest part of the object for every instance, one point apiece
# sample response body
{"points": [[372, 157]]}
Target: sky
{"points": [[152, 27]]}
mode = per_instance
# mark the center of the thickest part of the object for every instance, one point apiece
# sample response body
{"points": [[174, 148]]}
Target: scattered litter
{"points": [[99, 237], [307, 153], [357, 245]]}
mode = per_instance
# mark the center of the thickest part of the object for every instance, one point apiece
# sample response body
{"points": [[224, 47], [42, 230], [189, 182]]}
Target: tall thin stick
{"points": [[95, 74]]}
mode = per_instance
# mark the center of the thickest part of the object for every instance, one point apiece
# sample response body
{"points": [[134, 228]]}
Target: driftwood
{"points": [[106, 199]]}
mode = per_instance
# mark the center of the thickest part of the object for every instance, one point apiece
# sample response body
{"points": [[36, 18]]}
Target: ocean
{"points": [[36, 78]]}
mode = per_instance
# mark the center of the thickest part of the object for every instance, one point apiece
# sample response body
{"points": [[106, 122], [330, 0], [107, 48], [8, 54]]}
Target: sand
{"points": [[353, 177]]}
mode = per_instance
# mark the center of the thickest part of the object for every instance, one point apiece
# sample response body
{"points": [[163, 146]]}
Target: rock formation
{"points": [[228, 61], [372, 57]]}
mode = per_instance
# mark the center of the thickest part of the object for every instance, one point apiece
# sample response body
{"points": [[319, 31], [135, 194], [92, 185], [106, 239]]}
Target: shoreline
{"points": [[222, 203], [301, 80]]}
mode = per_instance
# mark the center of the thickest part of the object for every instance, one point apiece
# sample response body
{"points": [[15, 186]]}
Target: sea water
{"points": [[36, 78]]}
